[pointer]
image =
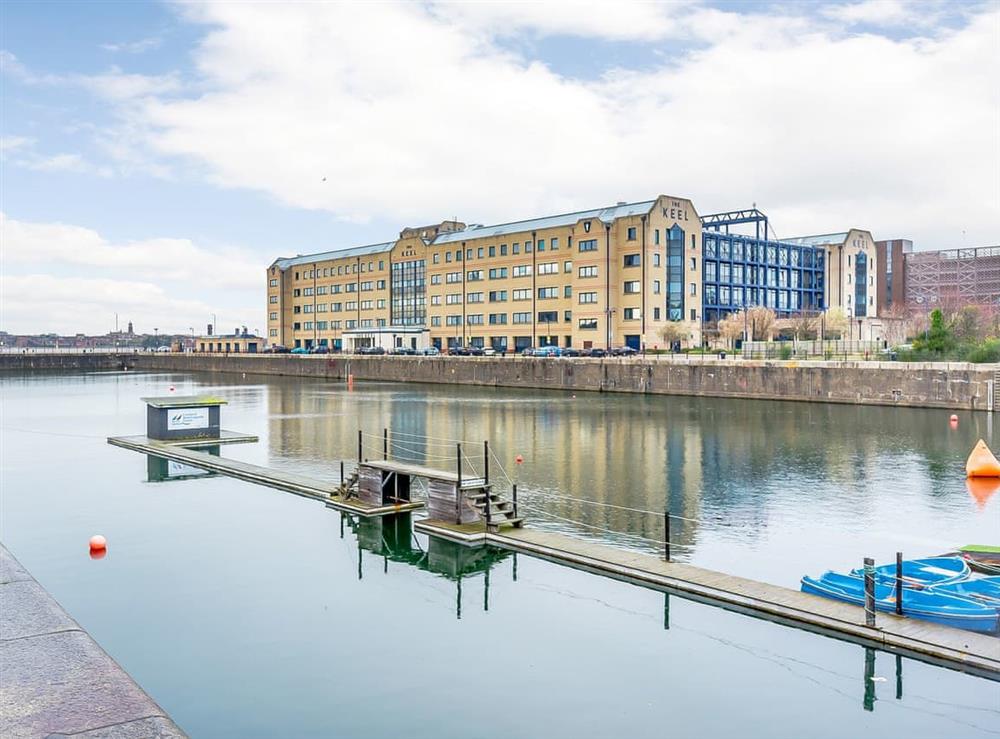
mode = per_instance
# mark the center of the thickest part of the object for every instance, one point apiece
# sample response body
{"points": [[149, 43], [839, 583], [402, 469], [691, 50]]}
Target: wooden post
{"points": [[869, 592], [666, 534], [359, 447], [385, 443], [515, 500], [342, 477], [458, 488], [486, 461], [899, 583]]}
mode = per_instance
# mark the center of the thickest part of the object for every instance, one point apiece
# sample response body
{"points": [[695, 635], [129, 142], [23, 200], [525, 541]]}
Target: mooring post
{"points": [[341, 473], [458, 487], [666, 534], [359, 447], [899, 677], [385, 443], [899, 583], [515, 500], [869, 592], [486, 461]]}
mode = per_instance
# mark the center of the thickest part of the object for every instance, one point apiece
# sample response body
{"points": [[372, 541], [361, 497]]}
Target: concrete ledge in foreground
{"points": [[56, 680]]}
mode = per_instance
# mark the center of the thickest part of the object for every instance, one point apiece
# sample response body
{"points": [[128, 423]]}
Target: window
{"points": [[656, 314], [307, 308], [296, 309], [498, 319], [656, 259], [521, 294], [548, 292], [587, 297], [554, 243], [541, 245], [548, 316], [454, 320], [468, 254], [527, 247], [498, 296], [656, 287], [493, 251], [436, 259], [336, 307], [435, 279], [522, 318], [588, 324], [632, 314], [567, 315], [454, 299], [474, 319], [453, 277], [630, 233], [351, 305], [632, 287], [273, 299], [586, 228], [656, 236], [588, 272], [366, 305], [272, 316], [367, 286], [335, 289], [568, 267], [568, 291], [296, 293], [272, 332], [351, 287], [503, 250], [515, 248], [479, 254], [632, 260], [693, 289], [380, 285], [474, 298], [435, 320], [296, 326], [587, 245], [549, 268], [321, 290], [435, 300], [447, 257], [272, 283], [498, 273], [474, 274], [522, 270]]}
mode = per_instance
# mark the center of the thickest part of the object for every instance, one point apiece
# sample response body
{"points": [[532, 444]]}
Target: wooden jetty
{"points": [[929, 642]]}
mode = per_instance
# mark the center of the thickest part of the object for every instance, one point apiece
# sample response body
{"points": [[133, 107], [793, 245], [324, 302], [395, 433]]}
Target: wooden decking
{"points": [[929, 642], [308, 487], [429, 473]]}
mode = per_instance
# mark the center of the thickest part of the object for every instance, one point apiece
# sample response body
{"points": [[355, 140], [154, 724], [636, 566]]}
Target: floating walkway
{"points": [[308, 487], [929, 642]]}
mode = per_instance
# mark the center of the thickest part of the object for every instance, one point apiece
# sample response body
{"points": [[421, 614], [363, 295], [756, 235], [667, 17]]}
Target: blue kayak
{"points": [[928, 605], [983, 590], [922, 573]]}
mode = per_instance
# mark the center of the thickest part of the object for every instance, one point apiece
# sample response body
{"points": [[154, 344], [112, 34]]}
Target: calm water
{"points": [[246, 611]]}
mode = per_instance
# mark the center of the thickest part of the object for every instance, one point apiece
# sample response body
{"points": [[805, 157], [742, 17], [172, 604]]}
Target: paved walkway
{"points": [[55, 681]]}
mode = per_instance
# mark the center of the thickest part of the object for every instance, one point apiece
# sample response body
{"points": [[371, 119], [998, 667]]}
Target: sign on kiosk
{"points": [[187, 418]]}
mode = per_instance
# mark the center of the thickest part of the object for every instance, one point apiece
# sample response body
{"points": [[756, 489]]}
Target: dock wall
{"points": [[957, 386]]}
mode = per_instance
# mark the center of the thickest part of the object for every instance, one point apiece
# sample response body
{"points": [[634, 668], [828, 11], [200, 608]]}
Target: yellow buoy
{"points": [[982, 463]]}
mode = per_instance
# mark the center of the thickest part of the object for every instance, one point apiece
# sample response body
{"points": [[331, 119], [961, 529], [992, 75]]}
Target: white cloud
{"points": [[134, 47], [15, 143], [170, 259], [886, 12], [42, 303], [116, 85], [414, 114]]}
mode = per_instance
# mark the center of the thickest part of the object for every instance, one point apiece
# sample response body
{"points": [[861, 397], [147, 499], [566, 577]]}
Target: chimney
{"points": [[210, 329]]}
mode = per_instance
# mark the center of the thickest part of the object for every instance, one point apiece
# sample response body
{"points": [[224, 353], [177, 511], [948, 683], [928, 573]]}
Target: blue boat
{"points": [[922, 573], [982, 590], [928, 605]]}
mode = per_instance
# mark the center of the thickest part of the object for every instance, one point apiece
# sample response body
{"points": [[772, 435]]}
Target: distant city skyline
{"points": [[155, 157]]}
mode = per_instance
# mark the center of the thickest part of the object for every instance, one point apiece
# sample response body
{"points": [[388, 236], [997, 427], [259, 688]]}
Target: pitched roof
{"points": [[355, 251], [609, 214], [818, 240]]}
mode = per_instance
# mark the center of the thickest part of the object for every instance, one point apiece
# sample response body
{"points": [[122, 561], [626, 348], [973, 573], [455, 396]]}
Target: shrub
{"points": [[986, 351], [786, 351]]}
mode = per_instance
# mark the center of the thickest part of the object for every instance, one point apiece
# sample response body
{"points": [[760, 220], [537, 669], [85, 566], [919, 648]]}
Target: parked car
{"points": [[528, 351], [489, 351], [431, 351], [404, 351], [595, 352], [371, 350], [321, 349], [571, 352], [547, 351], [477, 351], [277, 349], [458, 351], [299, 350], [623, 351]]}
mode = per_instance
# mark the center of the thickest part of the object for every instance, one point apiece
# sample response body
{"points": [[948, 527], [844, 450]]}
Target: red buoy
{"points": [[98, 553], [98, 543], [519, 459]]}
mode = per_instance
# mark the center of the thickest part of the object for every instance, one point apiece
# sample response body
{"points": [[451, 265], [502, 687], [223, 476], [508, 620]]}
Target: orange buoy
{"points": [[519, 459], [98, 543], [981, 462]]}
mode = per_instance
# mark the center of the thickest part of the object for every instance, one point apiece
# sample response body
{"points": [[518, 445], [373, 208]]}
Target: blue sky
{"points": [[156, 157]]}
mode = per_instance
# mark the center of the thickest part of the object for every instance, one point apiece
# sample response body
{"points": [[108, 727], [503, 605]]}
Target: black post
{"points": [[869, 700], [486, 461], [666, 611], [385, 443], [515, 500], [359, 447], [341, 473], [869, 592], [899, 583], [899, 677], [458, 489], [666, 534], [486, 590]]}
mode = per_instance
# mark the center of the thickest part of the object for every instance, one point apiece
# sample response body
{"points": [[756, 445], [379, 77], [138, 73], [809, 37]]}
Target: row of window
{"points": [[768, 253], [342, 269], [500, 319], [751, 274], [335, 325], [335, 307]]}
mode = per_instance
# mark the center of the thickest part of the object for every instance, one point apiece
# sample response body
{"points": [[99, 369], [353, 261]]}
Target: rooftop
{"points": [[608, 214], [354, 251], [183, 401], [819, 239]]}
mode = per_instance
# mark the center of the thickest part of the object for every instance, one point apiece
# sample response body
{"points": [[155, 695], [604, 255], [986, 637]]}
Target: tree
{"points": [[803, 325], [760, 322], [731, 327], [834, 324], [671, 332], [895, 324], [969, 324], [938, 338]]}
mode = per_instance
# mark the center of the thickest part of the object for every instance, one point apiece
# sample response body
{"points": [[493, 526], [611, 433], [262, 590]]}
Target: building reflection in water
{"points": [[159, 469]]}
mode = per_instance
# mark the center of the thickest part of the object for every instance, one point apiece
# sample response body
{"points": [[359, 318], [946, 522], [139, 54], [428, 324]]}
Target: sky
{"points": [[156, 157]]}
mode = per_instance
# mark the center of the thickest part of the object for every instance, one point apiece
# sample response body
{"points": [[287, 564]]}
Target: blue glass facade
{"points": [[741, 271]]}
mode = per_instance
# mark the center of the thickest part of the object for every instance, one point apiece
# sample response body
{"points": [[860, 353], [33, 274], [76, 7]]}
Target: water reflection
{"points": [[159, 469]]}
